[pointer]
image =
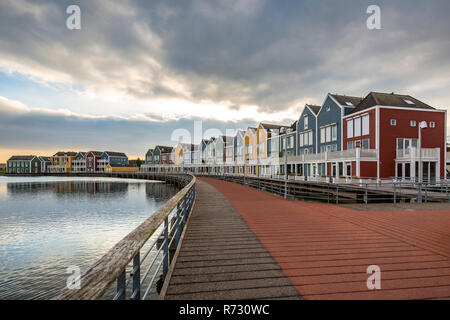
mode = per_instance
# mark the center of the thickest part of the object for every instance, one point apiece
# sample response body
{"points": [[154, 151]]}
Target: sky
{"points": [[138, 70]]}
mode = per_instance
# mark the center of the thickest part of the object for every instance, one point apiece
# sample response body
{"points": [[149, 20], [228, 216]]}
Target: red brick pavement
{"points": [[325, 249]]}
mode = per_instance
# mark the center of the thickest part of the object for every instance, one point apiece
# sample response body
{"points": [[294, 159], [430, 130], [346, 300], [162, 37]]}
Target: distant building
{"points": [[2, 166], [46, 162], [23, 164], [61, 162]]}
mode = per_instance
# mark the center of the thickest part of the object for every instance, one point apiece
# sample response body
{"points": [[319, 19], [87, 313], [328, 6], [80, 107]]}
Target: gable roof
{"points": [[315, 109], [271, 126], [96, 153], [343, 100], [390, 99], [21, 158], [116, 154], [65, 154], [164, 149]]}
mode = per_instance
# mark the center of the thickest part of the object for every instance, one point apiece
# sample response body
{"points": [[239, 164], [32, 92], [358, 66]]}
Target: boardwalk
{"points": [[324, 250]]}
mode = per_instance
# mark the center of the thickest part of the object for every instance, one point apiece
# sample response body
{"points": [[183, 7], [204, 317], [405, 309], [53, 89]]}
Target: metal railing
{"points": [[363, 193], [158, 237]]}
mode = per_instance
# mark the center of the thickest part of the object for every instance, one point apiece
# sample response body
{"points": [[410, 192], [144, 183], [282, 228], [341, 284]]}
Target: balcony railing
{"points": [[427, 153]]}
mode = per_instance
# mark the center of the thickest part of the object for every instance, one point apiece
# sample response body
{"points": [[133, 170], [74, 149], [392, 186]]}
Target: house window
{"points": [[305, 123], [358, 144], [393, 122], [350, 128], [322, 135], [350, 145], [365, 144], [310, 134], [412, 123], [301, 139], [432, 124], [328, 134], [357, 127], [334, 133], [365, 125]]}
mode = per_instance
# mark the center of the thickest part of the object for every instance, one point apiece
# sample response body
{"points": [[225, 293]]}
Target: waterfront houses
{"points": [[347, 137], [149, 156]]}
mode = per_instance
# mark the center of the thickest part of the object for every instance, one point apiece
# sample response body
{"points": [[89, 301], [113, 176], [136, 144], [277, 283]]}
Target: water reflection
{"points": [[46, 226]]}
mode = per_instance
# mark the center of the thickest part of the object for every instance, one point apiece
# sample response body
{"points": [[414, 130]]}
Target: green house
{"points": [[149, 156], [24, 164]]}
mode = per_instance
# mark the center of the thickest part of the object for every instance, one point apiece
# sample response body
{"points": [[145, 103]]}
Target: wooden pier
{"points": [[243, 243]]}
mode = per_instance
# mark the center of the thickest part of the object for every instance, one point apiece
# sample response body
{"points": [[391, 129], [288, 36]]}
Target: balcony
{"points": [[428, 154]]}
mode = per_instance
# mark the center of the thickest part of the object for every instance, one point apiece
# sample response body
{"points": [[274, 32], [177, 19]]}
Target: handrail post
{"points": [[419, 197], [337, 193], [121, 286], [177, 233], [395, 194], [166, 248], [137, 276]]}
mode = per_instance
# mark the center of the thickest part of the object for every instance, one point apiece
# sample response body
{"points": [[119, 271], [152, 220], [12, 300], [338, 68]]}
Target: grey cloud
{"points": [[54, 130], [266, 53]]}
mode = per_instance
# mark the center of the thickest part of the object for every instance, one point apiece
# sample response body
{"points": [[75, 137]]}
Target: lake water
{"points": [[49, 223]]}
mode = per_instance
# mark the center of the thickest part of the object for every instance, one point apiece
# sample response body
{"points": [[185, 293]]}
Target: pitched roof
{"points": [[390, 99], [116, 154], [315, 109], [95, 153], [23, 158], [271, 126], [164, 149], [347, 101], [65, 154], [45, 158]]}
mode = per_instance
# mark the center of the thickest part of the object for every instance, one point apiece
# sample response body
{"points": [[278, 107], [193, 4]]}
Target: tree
{"points": [[138, 162]]}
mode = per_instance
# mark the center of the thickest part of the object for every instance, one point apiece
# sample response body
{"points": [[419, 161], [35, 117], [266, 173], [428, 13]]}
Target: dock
{"points": [[243, 243]]}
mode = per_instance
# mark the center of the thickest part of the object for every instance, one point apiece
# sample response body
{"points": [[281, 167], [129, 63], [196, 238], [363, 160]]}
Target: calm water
{"points": [[48, 224]]}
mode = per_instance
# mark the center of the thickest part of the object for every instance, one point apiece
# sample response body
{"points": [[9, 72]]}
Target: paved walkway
{"points": [[323, 249]]}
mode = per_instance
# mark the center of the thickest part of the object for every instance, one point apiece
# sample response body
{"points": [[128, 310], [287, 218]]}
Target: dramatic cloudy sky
{"points": [[138, 69]]}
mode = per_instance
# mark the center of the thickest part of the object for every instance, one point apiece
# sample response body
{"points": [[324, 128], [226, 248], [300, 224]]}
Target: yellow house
{"points": [[62, 161], [179, 153], [250, 154], [265, 131]]}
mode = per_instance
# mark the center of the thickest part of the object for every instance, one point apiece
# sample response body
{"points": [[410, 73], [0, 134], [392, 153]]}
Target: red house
{"points": [[388, 125], [92, 159]]}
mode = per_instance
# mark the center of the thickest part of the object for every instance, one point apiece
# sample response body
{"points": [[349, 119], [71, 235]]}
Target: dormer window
{"points": [[408, 101], [349, 103]]}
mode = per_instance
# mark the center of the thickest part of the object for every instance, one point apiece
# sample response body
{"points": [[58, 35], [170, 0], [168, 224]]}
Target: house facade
{"points": [[23, 164], [389, 124], [61, 162]]}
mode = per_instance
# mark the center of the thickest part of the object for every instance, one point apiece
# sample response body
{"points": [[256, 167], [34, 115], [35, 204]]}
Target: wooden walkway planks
{"points": [[325, 250], [221, 258]]}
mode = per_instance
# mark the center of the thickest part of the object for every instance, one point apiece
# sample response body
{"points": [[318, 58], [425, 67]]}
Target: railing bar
{"points": [[153, 279], [151, 264]]}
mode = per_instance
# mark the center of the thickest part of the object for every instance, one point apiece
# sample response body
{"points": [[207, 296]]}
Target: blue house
{"points": [[329, 121], [115, 159], [307, 130]]}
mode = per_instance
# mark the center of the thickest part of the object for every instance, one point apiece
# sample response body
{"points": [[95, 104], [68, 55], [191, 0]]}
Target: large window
{"points": [[322, 135], [365, 125], [334, 133], [350, 145], [357, 127], [350, 128], [305, 122], [328, 134]]}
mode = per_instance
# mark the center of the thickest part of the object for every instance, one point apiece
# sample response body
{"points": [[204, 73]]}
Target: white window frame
{"points": [[350, 128], [365, 122], [357, 127]]}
